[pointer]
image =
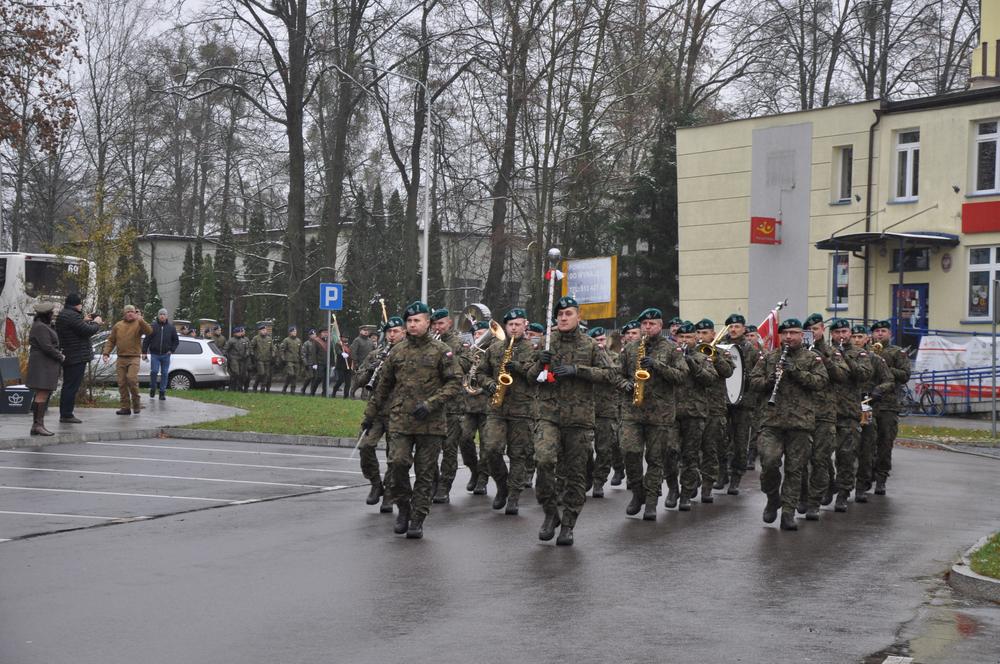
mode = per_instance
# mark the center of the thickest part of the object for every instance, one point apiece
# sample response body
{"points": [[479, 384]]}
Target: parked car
{"points": [[196, 363]]}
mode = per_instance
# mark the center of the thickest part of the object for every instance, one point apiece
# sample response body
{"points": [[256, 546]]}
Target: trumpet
{"points": [[479, 347], [640, 375], [877, 347], [709, 349]]}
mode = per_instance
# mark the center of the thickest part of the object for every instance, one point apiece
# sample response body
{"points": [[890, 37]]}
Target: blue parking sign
{"points": [[331, 297]]}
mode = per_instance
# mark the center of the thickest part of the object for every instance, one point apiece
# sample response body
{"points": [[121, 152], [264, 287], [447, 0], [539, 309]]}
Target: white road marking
{"points": [[896, 659], [116, 493], [74, 516], [220, 449], [4, 540], [162, 477], [202, 463]]}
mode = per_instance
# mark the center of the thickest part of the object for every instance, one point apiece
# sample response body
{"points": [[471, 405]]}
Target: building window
{"points": [[907, 165], [840, 273], [986, 166], [914, 260], [843, 165], [984, 266]]}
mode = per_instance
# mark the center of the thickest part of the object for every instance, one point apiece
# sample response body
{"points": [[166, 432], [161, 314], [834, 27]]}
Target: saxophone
{"points": [[504, 379], [641, 375]]}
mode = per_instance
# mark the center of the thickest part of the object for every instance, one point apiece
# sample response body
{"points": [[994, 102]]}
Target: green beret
{"points": [[597, 332], [481, 325], [652, 313], [537, 327], [704, 324], [736, 318], [395, 321], [416, 308], [686, 328], [789, 324], [676, 320], [261, 325], [629, 326], [239, 328], [840, 324], [516, 312], [439, 314], [751, 328], [566, 303], [859, 329], [882, 324], [813, 319]]}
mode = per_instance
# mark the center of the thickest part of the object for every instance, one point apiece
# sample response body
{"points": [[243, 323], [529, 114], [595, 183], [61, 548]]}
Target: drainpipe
{"points": [[868, 198]]}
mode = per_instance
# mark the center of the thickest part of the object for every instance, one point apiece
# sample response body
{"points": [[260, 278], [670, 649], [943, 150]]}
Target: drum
{"points": [[734, 384]]}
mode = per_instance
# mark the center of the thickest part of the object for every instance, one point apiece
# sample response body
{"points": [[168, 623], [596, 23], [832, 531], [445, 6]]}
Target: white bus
{"points": [[26, 279]]}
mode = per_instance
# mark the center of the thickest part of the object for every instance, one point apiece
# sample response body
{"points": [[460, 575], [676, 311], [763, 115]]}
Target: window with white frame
{"points": [[907, 165], [984, 266], [985, 166], [839, 275], [843, 166]]}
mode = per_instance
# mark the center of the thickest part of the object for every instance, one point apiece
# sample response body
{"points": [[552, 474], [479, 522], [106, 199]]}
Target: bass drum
{"points": [[734, 384]]}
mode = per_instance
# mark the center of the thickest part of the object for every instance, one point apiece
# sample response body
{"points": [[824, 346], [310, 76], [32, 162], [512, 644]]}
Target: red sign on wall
{"points": [[765, 230], [981, 217]]}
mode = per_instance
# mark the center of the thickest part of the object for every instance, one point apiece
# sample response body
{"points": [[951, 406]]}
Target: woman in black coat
{"points": [[44, 362]]}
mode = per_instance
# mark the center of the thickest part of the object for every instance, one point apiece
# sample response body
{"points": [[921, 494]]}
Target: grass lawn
{"points": [[947, 435], [283, 414], [986, 561]]}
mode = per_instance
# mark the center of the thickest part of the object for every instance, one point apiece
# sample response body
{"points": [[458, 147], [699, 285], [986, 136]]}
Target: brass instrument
{"points": [[709, 349], [877, 347], [778, 373], [866, 411], [640, 375], [504, 379], [479, 347]]}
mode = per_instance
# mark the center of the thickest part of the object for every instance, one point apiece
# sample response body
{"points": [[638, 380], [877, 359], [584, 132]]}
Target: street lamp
{"points": [[430, 157]]}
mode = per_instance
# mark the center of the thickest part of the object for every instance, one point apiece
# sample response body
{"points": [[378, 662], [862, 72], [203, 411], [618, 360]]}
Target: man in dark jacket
{"points": [[74, 330], [159, 346]]}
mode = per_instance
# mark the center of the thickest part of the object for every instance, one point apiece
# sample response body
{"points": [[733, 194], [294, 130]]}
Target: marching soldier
{"points": [[416, 381], [309, 356], [788, 418], [740, 414], [607, 403], [715, 442], [290, 357], [237, 352], [261, 356], [565, 419], [443, 325], [847, 393], [394, 333], [510, 413], [886, 398], [649, 415], [753, 337], [630, 332], [692, 414], [474, 422], [672, 327], [534, 334], [869, 427], [816, 481]]}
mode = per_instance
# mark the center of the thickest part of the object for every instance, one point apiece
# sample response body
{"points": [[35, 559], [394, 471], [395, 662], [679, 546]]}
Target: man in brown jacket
{"points": [[126, 336]]}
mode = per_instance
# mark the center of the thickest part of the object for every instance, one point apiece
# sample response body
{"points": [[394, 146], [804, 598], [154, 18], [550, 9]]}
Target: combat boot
{"points": [[685, 505], [386, 506], [511, 508], [788, 521], [672, 495], [649, 514], [471, 484], [636, 503], [841, 504], [860, 494], [706, 493], [598, 491], [565, 536], [402, 518], [812, 513], [416, 529], [480, 488], [828, 496], [771, 509], [528, 481], [880, 487], [442, 495], [548, 529], [721, 482], [801, 507], [376, 493], [617, 477], [734, 486], [502, 492]]}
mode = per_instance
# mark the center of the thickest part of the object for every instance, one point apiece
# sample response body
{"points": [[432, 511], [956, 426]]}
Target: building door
{"points": [[910, 311]]}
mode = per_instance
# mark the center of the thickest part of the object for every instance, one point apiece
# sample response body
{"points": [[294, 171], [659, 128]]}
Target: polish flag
{"points": [[768, 329]]}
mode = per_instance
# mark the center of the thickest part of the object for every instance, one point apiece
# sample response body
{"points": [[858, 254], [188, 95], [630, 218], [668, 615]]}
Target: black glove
{"points": [[627, 386], [490, 389], [646, 363], [421, 411], [545, 357], [876, 394], [367, 423], [565, 370]]}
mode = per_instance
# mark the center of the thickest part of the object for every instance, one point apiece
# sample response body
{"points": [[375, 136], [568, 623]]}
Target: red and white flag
{"points": [[768, 329]]}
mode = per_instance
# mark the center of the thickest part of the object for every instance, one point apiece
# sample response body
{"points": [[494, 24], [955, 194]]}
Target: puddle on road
{"points": [[947, 629]]}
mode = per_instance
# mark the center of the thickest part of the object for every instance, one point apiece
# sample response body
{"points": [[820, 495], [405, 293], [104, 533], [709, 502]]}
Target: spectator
{"points": [[126, 337], [44, 361], [360, 348], [74, 331], [160, 345], [345, 369]]}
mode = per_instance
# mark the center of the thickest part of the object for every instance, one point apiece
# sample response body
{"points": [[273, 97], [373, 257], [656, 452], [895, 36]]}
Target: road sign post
{"points": [[331, 298]]}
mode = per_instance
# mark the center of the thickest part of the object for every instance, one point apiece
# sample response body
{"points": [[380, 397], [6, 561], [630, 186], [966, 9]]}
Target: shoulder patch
{"points": [[448, 354], [819, 359], [863, 354]]}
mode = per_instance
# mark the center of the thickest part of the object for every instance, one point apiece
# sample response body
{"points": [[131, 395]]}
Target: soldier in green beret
{"points": [[886, 398], [714, 443], [880, 375], [261, 357], [692, 417], [474, 419], [443, 325], [607, 403], [290, 358], [740, 415], [847, 394]]}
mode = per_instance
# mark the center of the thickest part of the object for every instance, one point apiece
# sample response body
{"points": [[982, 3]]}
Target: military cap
{"points": [[751, 328], [440, 313], [629, 326], [789, 324], [293, 328], [881, 325], [311, 331], [239, 328], [261, 325], [416, 308], [481, 325], [676, 320], [597, 332], [516, 312], [537, 327], [686, 327], [396, 321], [651, 313], [736, 318], [566, 303], [859, 329], [813, 319], [45, 307], [705, 324], [840, 324]]}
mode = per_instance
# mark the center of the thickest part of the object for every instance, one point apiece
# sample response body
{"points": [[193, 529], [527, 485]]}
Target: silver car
{"points": [[195, 363]]}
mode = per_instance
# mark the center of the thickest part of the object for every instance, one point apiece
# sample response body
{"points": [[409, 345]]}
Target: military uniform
{"points": [[475, 408], [237, 352], [692, 416], [607, 410], [453, 441], [740, 418], [847, 395], [290, 356], [262, 355], [816, 487], [416, 381], [887, 410], [787, 424], [715, 441], [368, 445]]}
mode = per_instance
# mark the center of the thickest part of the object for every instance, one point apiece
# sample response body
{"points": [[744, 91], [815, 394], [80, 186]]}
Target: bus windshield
{"points": [[43, 278]]}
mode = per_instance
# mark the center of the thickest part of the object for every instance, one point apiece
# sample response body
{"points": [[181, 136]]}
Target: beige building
{"points": [[863, 211]]}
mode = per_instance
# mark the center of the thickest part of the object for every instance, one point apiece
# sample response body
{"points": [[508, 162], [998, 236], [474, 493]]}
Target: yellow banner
{"points": [[594, 284]]}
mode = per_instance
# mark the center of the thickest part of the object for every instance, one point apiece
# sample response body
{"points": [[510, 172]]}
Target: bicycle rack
{"points": [[955, 391]]}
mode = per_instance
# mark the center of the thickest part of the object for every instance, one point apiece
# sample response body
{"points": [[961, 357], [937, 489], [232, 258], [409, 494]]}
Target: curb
{"points": [[947, 448], [254, 437], [70, 438], [964, 580]]}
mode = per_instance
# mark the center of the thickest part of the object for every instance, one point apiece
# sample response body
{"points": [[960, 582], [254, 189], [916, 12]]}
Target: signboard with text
{"points": [[594, 284]]}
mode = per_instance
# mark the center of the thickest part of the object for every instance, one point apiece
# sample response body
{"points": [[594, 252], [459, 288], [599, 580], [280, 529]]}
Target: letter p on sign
{"points": [[331, 297]]}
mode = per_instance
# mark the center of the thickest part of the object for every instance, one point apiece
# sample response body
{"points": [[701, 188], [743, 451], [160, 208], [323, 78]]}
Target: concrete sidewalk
{"points": [[101, 424], [948, 422]]}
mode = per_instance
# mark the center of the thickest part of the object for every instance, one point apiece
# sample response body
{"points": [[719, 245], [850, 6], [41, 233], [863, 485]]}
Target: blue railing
{"points": [[952, 391]]}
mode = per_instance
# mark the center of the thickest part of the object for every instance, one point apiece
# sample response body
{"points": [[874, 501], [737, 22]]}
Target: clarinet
{"points": [[778, 373]]}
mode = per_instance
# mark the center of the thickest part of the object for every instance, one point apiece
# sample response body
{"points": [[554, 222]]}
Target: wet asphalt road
{"points": [[321, 577]]}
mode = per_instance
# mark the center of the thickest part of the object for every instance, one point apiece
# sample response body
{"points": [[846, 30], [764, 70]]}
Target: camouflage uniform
{"points": [[816, 478], [455, 409], [692, 413], [887, 408], [474, 422], [740, 416], [368, 445], [652, 426], [607, 410], [869, 433], [417, 370], [237, 352], [290, 356], [715, 441], [262, 355], [847, 394], [787, 425], [565, 426]]}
